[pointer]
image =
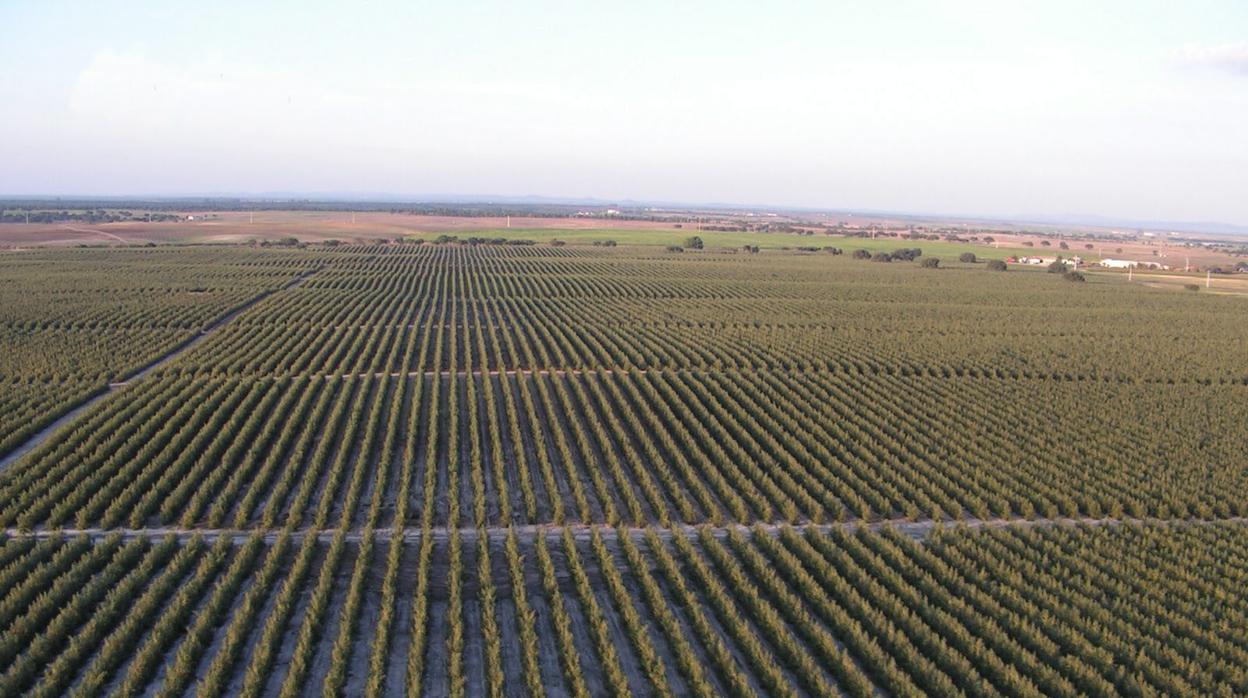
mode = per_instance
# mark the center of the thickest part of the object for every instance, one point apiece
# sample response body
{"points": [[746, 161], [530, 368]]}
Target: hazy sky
{"points": [[1128, 108]]}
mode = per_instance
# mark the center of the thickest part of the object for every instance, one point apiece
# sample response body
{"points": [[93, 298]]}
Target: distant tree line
{"points": [[904, 254], [456, 240], [91, 216]]}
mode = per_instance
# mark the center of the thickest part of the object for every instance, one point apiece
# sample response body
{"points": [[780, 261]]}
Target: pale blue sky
{"points": [[1135, 109]]}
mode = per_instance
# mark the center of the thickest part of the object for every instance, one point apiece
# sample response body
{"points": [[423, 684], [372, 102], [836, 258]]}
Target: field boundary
{"points": [[914, 528], [701, 369]]}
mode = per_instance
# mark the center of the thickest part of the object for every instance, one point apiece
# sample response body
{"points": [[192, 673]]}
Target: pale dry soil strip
{"points": [[700, 369], [916, 529], [489, 372], [111, 236]]}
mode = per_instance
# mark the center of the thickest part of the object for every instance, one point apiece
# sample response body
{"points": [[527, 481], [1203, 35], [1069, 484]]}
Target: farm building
{"points": [[1125, 263]]}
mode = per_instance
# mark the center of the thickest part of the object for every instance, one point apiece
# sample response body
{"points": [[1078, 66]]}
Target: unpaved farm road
{"points": [[488, 372], [699, 369], [915, 529], [112, 236]]}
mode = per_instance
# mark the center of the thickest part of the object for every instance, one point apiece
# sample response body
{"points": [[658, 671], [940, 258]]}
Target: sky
{"points": [[1133, 109]]}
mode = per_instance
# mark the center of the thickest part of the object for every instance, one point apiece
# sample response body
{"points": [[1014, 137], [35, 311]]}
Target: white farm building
{"points": [[1127, 263]]}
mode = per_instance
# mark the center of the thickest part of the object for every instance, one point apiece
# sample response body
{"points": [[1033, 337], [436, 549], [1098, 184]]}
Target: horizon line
{"points": [[1095, 220]]}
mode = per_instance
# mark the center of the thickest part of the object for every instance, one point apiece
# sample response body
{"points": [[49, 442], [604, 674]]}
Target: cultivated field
{"points": [[535, 470]]}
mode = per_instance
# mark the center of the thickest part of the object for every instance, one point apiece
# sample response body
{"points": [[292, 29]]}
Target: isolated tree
{"points": [[1057, 267], [1074, 276], [1063, 245], [996, 265], [693, 243], [968, 257], [930, 263]]}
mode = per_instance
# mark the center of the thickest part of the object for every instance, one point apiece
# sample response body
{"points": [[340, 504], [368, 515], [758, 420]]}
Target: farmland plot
{"points": [[1051, 610], [621, 407], [529, 470], [73, 321]]}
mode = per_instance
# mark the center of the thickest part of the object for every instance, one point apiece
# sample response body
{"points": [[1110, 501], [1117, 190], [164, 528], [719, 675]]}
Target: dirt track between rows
{"points": [[913, 528], [111, 236], [487, 372]]}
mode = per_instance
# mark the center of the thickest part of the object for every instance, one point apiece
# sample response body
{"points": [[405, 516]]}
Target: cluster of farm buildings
{"points": [[1078, 261]]}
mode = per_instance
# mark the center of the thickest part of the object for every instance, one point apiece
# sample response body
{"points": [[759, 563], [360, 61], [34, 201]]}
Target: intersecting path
{"points": [[178, 350], [909, 527], [488, 372]]}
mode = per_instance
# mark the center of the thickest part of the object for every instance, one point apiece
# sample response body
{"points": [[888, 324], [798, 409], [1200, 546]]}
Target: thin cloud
{"points": [[1229, 58]]}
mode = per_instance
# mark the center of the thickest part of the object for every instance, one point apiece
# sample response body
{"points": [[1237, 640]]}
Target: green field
{"points": [[716, 240], [536, 470]]}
